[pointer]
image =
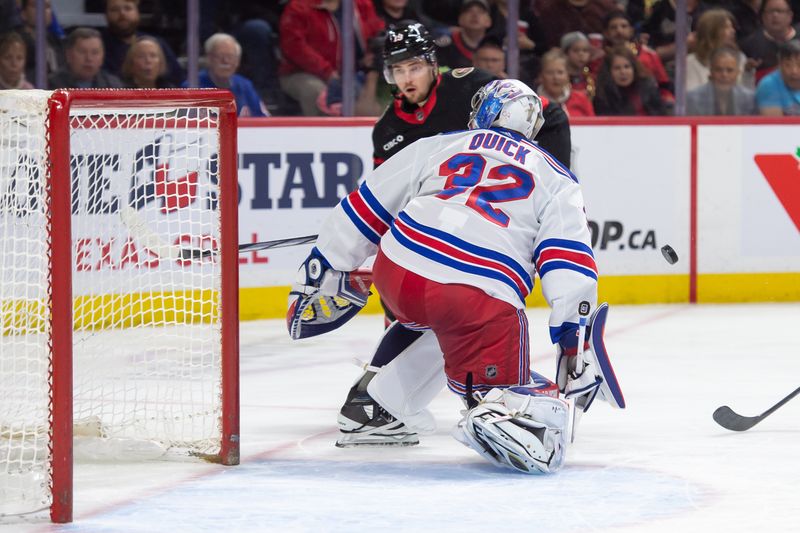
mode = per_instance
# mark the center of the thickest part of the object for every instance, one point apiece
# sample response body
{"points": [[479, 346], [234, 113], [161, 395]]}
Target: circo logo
{"points": [[782, 172]]}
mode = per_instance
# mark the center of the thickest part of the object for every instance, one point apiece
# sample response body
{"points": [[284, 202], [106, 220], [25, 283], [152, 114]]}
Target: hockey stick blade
{"points": [[727, 418]]}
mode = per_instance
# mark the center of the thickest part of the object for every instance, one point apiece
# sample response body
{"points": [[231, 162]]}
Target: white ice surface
{"points": [[661, 465]]}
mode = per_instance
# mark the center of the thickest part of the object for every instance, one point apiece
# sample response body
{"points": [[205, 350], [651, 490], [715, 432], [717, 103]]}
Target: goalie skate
{"points": [[363, 422]]}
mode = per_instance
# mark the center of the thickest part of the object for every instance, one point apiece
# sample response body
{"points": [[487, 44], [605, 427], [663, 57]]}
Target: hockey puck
{"points": [[669, 254]]}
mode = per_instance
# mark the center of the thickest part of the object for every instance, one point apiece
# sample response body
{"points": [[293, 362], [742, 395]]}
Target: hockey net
{"points": [[115, 340]]}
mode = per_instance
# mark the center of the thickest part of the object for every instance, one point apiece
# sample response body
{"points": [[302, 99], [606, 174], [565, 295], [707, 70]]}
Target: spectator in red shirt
{"points": [[618, 31], [624, 87], [310, 41], [556, 87]]}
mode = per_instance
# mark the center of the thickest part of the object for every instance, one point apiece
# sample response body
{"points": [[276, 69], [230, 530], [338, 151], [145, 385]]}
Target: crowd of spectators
{"points": [[282, 57]]}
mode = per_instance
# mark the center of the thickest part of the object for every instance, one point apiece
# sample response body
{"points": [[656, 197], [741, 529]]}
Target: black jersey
{"points": [[555, 136], [447, 109]]}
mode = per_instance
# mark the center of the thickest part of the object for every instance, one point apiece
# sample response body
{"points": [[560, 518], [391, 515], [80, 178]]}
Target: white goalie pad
{"points": [[518, 428], [406, 386]]}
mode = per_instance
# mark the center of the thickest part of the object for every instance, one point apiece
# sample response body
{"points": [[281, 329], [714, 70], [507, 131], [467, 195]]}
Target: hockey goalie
{"points": [[459, 224]]}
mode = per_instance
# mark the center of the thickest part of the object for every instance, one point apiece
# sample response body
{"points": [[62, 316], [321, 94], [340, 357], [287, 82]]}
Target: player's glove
{"points": [[322, 299]]}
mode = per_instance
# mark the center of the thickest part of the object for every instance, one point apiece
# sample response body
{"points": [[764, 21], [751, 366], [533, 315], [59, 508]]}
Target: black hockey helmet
{"points": [[405, 40]]}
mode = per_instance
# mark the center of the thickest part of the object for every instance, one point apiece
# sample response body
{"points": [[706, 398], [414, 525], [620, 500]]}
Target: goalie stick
{"points": [[727, 418], [138, 229]]}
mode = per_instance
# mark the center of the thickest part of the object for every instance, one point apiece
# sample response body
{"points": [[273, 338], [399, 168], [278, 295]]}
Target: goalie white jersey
{"points": [[484, 208]]}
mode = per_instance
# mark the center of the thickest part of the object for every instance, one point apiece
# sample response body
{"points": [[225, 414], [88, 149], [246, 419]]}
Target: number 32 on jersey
{"points": [[464, 173]]}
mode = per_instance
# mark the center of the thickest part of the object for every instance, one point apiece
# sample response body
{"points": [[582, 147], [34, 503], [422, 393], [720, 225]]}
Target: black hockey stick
{"points": [[252, 246], [139, 229], [725, 417]]}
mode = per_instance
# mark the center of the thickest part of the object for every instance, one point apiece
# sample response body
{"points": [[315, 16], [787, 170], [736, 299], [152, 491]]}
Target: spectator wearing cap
{"points": [[491, 57], [778, 93], [556, 87], [309, 42], [84, 56], [563, 16], [578, 51], [223, 55], [762, 45], [123, 18], [473, 23], [722, 95]]}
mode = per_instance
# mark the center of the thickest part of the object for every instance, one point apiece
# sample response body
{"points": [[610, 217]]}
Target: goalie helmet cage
{"points": [[86, 289]]}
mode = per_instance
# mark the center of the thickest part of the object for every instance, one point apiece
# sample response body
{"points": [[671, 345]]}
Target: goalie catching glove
{"points": [[588, 375], [322, 299], [518, 428]]}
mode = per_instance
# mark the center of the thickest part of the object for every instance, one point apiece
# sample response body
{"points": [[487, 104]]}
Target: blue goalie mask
{"points": [[508, 104]]}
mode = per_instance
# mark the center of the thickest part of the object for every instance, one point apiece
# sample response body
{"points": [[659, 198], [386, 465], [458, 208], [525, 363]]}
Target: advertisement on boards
{"points": [[749, 198], [636, 188], [289, 179]]}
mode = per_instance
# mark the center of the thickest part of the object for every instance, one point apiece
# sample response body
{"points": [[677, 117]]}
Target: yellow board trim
{"points": [[757, 287], [257, 303], [21, 317]]}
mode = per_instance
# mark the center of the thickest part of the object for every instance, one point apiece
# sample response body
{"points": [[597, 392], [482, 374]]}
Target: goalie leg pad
{"points": [[406, 385], [519, 429]]}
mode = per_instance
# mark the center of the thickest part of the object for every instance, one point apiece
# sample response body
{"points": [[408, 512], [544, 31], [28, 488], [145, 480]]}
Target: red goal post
{"points": [[99, 192]]}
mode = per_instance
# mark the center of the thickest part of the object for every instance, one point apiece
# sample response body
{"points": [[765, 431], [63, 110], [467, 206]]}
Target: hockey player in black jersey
{"points": [[427, 103]]}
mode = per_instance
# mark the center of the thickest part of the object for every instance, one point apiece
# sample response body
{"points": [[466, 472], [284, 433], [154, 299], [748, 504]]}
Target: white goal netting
{"points": [[146, 322]]}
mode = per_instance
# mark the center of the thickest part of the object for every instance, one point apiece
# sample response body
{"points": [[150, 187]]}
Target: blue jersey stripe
{"points": [[365, 230], [566, 265], [374, 204], [470, 248], [453, 263], [576, 246]]}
